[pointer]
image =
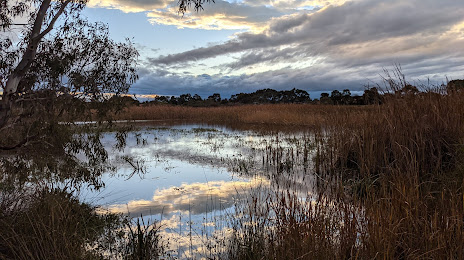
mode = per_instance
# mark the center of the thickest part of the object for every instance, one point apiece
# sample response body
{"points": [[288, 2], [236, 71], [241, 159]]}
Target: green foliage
{"points": [[456, 85], [52, 71]]}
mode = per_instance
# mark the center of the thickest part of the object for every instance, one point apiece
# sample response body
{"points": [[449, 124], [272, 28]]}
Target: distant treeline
{"points": [[271, 96]]}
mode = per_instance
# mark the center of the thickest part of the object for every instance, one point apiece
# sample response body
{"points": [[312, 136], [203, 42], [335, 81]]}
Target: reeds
{"points": [[49, 225], [296, 115], [393, 188]]}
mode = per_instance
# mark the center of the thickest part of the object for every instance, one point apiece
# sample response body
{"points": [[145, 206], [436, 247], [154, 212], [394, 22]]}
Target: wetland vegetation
{"points": [[281, 181]]}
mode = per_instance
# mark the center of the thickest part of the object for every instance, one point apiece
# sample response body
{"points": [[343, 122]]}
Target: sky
{"points": [[245, 45]]}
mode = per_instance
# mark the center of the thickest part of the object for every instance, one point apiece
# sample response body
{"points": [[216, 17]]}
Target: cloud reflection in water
{"points": [[196, 198]]}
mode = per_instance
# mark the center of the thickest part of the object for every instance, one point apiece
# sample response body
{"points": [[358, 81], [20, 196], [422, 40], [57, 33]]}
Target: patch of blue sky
{"points": [[309, 7], [235, 1], [152, 37]]}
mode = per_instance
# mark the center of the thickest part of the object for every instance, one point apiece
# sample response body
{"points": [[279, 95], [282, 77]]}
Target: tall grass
{"points": [[392, 188], [420, 134], [48, 225], [269, 116], [54, 224]]}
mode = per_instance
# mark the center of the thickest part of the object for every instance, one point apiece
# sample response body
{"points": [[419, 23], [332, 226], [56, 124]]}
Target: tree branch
{"points": [[53, 21], [39, 19]]}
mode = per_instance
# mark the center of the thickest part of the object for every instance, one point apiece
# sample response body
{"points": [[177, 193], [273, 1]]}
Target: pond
{"points": [[193, 179]]}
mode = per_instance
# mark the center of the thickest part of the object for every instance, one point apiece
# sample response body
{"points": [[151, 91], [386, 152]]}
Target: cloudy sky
{"points": [[237, 46]]}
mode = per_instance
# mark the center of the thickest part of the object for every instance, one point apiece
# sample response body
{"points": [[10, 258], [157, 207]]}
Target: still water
{"points": [[192, 178]]}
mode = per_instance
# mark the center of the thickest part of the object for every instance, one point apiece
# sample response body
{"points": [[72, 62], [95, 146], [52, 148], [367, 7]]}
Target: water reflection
{"points": [[193, 177], [194, 198]]}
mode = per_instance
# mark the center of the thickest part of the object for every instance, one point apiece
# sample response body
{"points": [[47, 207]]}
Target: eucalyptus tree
{"points": [[46, 45], [56, 67], [57, 51]]}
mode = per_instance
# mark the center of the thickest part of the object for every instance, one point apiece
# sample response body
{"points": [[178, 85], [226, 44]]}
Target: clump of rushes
{"points": [[143, 241]]}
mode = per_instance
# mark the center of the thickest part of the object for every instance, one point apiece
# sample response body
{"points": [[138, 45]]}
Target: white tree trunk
{"points": [[36, 35]]}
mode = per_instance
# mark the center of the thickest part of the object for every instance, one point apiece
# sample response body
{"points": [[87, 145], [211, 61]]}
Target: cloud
{"points": [[308, 44], [129, 6], [198, 198], [332, 28], [340, 44], [218, 16]]}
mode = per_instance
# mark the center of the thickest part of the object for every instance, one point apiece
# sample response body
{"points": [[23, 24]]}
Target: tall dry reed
{"points": [[298, 115]]}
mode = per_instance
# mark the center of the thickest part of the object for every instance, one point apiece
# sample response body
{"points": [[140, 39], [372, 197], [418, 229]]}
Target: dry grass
{"points": [[54, 224], [394, 188], [270, 115], [48, 225]]}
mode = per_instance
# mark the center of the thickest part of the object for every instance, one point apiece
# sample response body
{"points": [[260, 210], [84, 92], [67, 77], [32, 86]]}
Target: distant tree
{"points": [[174, 100], [196, 97], [265, 96], [161, 99], [357, 100], [336, 97], [238, 98], [293, 96], [184, 99], [325, 99], [216, 98], [301, 96], [372, 96], [224, 101], [346, 97], [455, 86], [123, 101]]}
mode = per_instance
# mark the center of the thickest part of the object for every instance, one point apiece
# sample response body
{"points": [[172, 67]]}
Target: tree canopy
{"points": [[56, 68], [54, 59]]}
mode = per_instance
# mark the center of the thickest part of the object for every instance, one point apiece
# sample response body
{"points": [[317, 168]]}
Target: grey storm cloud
{"points": [[346, 46], [246, 41], [314, 81], [335, 26]]}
